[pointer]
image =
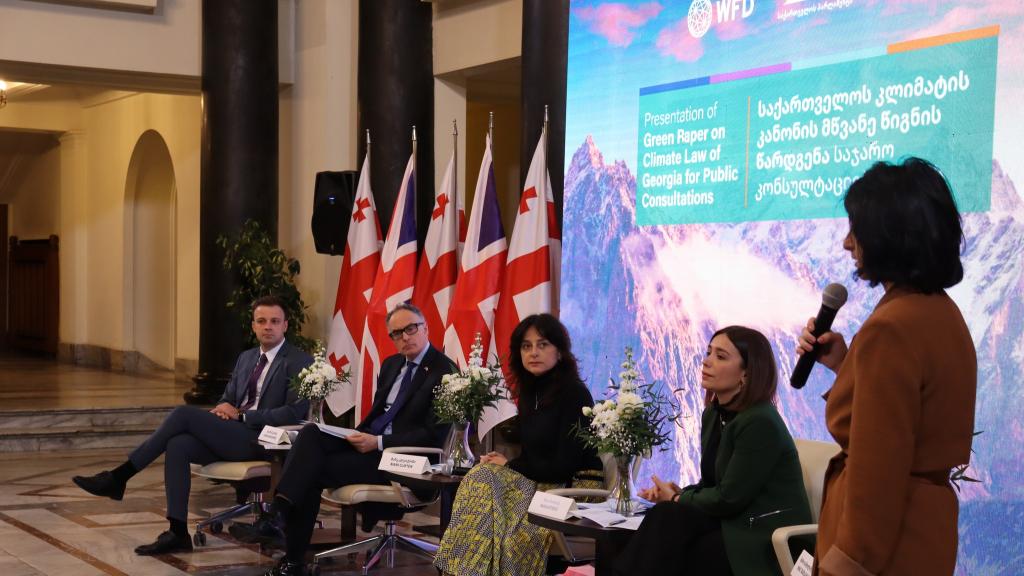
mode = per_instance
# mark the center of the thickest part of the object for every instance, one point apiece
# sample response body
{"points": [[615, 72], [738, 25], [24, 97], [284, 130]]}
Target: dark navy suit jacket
{"points": [[415, 423], [279, 405]]}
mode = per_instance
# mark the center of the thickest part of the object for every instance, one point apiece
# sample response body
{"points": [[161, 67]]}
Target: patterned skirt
{"points": [[489, 534]]}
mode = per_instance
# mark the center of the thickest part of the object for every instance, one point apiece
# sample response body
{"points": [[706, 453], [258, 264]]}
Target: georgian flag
{"points": [[534, 255], [392, 285], [531, 277], [480, 272], [355, 283], [435, 279]]}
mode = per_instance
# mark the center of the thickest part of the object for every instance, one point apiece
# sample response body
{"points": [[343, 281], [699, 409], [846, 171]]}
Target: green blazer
{"points": [[758, 486]]}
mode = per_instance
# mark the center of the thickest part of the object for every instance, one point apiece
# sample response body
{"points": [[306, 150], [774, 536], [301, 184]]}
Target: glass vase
{"points": [[622, 489], [316, 410], [459, 457]]}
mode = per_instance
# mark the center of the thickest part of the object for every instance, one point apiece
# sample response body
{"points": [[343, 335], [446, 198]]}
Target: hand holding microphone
{"points": [[817, 341], [831, 346]]}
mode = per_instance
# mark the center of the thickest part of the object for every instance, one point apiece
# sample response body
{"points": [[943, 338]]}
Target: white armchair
{"points": [[814, 459], [397, 496]]}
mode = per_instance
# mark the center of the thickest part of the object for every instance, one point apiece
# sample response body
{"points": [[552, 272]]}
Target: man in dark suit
{"points": [[402, 415], [257, 394]]}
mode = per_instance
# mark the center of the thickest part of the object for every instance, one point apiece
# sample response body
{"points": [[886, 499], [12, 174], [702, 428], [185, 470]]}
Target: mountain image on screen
{"points": [[665, 289]]}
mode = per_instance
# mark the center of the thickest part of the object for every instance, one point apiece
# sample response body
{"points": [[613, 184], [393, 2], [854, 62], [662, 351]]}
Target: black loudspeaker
{"points": [[332, 206]]}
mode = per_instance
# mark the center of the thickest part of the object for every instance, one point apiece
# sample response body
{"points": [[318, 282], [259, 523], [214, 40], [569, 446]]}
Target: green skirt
{"points": [[489, 534]]}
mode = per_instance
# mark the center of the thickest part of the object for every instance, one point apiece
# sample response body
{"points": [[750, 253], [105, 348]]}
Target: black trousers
{"points": [[188, 435], [675, 539], [317, 461]]}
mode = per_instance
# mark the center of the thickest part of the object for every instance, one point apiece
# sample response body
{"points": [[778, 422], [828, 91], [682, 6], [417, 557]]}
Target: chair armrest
{"points": [[414, 450], [579, 492], [406, 503], [780, 542]]}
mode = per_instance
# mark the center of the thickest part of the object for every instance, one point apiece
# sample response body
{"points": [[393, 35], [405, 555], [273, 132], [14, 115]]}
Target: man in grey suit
{"points": [[258, 394]]}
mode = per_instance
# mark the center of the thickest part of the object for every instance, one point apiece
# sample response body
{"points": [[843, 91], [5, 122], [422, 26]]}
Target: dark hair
{"points": [[270, 300], [904, 218], [521, 381], [758, 359], [408, 307]]}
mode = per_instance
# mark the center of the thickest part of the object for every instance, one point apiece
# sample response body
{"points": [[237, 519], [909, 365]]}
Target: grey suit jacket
{"points": [[279, 405]]}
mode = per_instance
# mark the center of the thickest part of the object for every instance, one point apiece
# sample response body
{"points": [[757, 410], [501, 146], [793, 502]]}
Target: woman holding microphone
{"points": [[902, 406]]}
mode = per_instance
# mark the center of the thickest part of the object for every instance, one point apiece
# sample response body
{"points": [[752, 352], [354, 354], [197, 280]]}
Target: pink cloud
{"points": [[617, 22], [891, 8], [982, 8], [676, 41], [965, 17], [733, 29]]}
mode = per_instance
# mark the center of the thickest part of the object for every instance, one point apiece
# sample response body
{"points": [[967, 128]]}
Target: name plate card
{"points": [[404, 463], [803, 565], [274, 435], [552, 506]]}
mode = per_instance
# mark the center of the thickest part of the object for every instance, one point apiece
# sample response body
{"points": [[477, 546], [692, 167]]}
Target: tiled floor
{"points": [[50, 527]]}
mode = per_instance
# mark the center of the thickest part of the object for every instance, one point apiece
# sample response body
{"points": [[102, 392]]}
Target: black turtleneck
{"points": [[550, 406], [707, 460]]}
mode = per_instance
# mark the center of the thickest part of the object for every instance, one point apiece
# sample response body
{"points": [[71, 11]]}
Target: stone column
{"points": [[239, 166], [396, 92], [545, 63]]}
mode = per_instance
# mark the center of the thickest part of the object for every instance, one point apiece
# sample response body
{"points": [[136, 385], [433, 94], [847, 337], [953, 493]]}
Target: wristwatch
{"points": [[241, 417]]}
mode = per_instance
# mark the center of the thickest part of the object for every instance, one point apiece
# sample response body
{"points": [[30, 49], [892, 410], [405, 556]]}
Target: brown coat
{"points": [[902, 410]]}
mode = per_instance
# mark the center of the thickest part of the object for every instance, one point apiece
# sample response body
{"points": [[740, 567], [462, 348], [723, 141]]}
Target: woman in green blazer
{"points": [[750, 484]]}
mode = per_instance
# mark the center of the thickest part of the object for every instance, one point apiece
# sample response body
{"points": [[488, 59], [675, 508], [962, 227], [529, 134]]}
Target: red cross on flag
{"points": [[435, 279], [534, 255], [392, 285], [358, 269], [481, 268]]}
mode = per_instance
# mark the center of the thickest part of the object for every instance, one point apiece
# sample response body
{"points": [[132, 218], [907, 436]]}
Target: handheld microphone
{"points": [[832, 299]]}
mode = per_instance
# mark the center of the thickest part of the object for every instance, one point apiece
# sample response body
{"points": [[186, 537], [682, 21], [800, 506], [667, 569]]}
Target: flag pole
{"points": [[490, 131], [455, 186], [545, 129], [414, 219]]}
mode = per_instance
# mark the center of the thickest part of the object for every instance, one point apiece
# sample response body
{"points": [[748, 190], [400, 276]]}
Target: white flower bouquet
{"points": [[461, 398], [631, 422], [627, 426], [316, 381]]}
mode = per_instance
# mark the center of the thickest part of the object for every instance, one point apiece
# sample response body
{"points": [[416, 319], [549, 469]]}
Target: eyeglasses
{"points": [[409, 330]]}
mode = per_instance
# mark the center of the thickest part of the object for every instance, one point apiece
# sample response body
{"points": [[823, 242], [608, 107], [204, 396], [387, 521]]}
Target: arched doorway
{"points": [[149, 252]]}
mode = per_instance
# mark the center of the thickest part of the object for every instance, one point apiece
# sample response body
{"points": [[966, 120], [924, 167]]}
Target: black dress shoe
{"points": [[166, 543], [102, 484], [287, 568]]}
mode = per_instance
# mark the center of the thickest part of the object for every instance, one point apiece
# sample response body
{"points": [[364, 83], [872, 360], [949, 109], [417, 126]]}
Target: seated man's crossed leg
{"points": [[256, 395]]}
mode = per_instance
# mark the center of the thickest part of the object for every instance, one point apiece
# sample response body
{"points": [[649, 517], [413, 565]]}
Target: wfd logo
{"points": [[698, 19]]}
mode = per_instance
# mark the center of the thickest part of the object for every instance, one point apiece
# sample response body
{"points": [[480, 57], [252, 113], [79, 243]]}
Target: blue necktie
{"points": [[380, 423], [250, 386]]}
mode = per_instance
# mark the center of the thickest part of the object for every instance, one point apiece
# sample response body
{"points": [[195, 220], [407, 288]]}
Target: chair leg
{"points": [[383, 546], [425, 549], [256, 503], [352, 548], [387, 545], [418, 545], [228, 514]]}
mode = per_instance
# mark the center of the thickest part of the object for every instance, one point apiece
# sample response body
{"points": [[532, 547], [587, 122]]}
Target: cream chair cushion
{"points": [[233, 471], [358, 493]]}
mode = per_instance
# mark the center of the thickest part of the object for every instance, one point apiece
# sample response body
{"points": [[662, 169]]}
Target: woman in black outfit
{"points": [[489, 534]]}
